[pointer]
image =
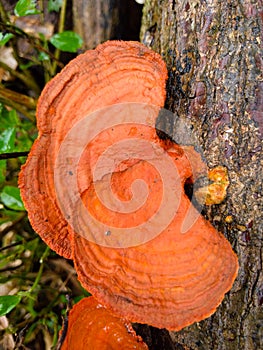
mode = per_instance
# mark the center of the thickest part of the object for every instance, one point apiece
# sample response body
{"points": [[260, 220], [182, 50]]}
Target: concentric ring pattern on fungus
{"points": [[114, 72], [178, 276], [171, 281]]}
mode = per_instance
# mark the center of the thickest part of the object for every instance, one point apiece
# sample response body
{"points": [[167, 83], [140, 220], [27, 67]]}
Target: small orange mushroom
{"points": [[92, 327]]}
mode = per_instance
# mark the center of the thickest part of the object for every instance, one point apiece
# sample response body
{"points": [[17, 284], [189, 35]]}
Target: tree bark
{"points": [[95, 21], [99, 20], [213, 51]]}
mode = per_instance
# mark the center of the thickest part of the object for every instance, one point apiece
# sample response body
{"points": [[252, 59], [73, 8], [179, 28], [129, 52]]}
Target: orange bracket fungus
{"points": [[91, 326], [113, 73], [101, 188]]}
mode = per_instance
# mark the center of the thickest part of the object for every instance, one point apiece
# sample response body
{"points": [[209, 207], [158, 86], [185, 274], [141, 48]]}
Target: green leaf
{"points": [[7, 118], [25, 8], [67, 41], [4, 38], [10, 197], [23, 142], [15, 135], [7, 140], [7, 303], [54, 5]]}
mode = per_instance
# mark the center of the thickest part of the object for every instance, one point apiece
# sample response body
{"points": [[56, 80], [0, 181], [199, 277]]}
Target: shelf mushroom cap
{"points": [[115, 72], [92, 326], [175, 271], [171, 281]]}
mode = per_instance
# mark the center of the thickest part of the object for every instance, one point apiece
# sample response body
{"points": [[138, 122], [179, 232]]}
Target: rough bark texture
{"points": [[95, 20], [213, 50]]}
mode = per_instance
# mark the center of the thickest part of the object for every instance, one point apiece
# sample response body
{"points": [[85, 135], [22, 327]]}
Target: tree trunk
{"points": [[96, 20], [213, 53], [99, 20]]}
